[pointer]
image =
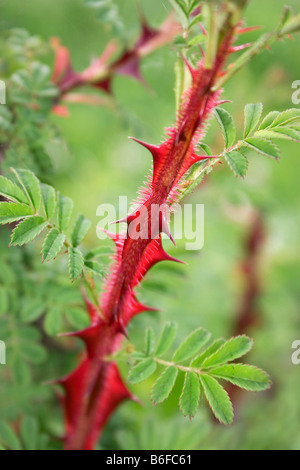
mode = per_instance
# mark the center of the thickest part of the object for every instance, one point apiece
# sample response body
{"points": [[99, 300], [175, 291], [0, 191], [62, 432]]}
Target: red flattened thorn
{"points": [[241, 47], [137, 307], [104, 85], [129, 65], [62, 64], [147, 32], [121, 329], [136, 400], [165, 229], [219, 103], [115, 237], [153, 149], [71, 334], [193, 72], [175, 260], [90, 336], [91, 309], [203, 30], [124, 220], [248, 29]]}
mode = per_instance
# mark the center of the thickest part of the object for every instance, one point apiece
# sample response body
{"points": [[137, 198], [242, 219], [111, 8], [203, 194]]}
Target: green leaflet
{"points": [[287, 118], [49, 200], [142, 371], [164, 385], [284, 133], [52, 322], [80, 229], [218, 399], [33, 352], [197, 362], [12, 191], [11, 212], [190, 396], [27, 230], [65, 208], [233, 349], [8, 438], [53, 244], [95, 267], [30, 433], [191, 345], [78, 318], [167, 338], [237, 163], [244, 376], [149, 341], [263, 146], [31, 186], [31, 310], [267, 121], [227, 125], [76, 263], [253, 114]]}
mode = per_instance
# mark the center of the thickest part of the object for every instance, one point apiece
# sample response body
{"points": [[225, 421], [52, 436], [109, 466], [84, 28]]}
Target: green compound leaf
{"points": [[142, 371], [53, 244], [190, 396], [12, 212], [253, 114], [244, 376], [232, 349], [227, 125], [164, 385], [218, 399], [27, 230]]}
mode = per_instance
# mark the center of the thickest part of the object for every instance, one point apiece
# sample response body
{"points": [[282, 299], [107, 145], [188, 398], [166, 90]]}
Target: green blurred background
{"points": [[100, 164]]}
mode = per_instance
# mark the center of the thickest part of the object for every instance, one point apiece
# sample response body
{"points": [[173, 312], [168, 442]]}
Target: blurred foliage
{"points": [[207, 292]]}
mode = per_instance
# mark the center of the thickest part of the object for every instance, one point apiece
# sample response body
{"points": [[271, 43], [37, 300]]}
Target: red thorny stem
{"points": [[101, 72], [95, 388]]}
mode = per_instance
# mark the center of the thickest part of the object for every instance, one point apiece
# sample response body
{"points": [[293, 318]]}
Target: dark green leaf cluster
{"points": [[30, 438], [26, 133], [37, 207]]}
